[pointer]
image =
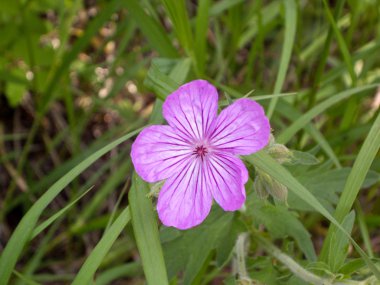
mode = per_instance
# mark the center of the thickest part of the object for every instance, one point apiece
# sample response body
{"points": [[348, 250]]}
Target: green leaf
{"points": [[352, 266], [303, 158], [280, 222], [325, 185], [262, 269], [180, 71], [145, 229], [15, 76], [188, 250], [24, 229], [278, 172], [227, 241], [14, 93]]}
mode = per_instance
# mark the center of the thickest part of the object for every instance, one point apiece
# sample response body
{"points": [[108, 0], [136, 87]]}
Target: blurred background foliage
{"points": [[76, 75]]}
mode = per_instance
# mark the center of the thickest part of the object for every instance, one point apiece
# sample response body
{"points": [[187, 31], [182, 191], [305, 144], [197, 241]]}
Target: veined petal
{"points": [[241, 128], [185, 199], [192, 108], [226, 175], [159, 152]]}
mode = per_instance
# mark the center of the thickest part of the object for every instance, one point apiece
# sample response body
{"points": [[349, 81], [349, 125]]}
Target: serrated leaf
{"points": [[261, 269], [188, 250], [264, 162], [325, 185], [280, 222], [227, 241], [303, 158]]}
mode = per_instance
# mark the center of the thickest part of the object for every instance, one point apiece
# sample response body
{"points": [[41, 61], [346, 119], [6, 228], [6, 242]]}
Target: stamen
{"points": [[200, 151]]}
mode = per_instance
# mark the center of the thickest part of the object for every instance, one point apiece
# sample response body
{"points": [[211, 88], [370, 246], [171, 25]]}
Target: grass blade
{"points": [[364, 229], [302, 121], [326, 39], [126, 270], [23, 231], [201, 26], [177, 13], [341, 43], [113, 180], [93, 261], [25, 279], [290, 33], [54, 217], [221, 6], [269, 13], [146, 233], [161, 83], [359, 170], [153, 31], [355, 180], [288, 111]]}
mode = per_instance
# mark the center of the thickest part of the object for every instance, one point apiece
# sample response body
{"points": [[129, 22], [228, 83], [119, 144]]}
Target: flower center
{"points": [[200, 151]]}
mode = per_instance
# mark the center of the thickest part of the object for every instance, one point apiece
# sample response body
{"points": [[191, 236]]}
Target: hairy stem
{"points": [[290, 263]]}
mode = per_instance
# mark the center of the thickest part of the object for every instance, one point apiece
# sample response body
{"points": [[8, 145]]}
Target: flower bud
{"points": [[259, 187], [279, 191], [264, 185], [280, 153]]}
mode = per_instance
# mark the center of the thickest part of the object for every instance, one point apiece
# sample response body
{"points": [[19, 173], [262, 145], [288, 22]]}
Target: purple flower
{"points": [[197, 153]]}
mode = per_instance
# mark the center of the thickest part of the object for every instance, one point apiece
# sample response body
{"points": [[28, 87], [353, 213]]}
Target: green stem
{"points": [[290, 263], [240, 249], [298, 269]]}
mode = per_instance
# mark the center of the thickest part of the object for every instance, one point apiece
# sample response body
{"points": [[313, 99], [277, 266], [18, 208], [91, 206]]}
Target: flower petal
{"points": [[159, 152], [185, 199], [241, 128], [192, 108], [226, 175]]}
